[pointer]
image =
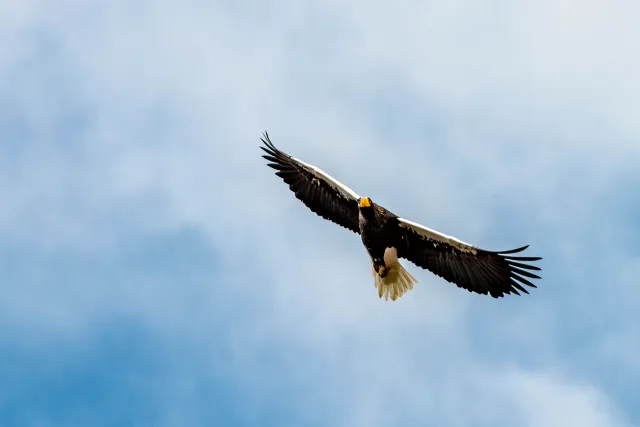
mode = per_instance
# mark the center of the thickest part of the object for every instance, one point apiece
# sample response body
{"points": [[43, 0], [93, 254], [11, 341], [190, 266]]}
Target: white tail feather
{"points": [[395, 283]]}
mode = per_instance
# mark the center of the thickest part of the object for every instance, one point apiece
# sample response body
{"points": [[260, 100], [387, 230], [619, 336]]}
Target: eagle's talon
{"points": [[382, 271]]}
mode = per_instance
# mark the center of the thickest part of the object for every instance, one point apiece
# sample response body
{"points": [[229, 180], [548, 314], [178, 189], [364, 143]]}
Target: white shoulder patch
{"points": [[320, 174], [437, 236]]}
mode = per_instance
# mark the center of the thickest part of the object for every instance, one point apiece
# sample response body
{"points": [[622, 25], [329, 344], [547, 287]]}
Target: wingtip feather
{"points": [[512, 251], [266, 140]]}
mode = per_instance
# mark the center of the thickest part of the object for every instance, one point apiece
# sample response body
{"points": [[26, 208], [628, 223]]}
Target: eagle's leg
{"points": [[381, 269], [377, 258]]}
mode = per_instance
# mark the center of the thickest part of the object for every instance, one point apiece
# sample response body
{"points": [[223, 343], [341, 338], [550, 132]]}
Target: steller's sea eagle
{"points": [[388, 237]]}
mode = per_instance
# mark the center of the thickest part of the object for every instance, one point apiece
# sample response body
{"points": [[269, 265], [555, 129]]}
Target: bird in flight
{"points": [[388, 237]]}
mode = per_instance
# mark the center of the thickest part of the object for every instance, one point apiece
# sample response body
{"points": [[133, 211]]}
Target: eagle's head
{"points": [[365, 202]]}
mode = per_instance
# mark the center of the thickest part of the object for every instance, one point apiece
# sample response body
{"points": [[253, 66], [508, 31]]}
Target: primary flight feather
{"points": [[388, 237]]}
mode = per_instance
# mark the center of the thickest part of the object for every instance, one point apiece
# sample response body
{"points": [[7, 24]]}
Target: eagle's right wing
{"points": [[469, 267], [320, 192]]}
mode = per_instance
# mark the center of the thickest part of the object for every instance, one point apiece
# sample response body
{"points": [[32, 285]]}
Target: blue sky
{"points": [[155, 271]]}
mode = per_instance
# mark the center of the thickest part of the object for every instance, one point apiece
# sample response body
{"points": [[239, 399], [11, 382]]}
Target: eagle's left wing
{"points": [[477, 270], [321, 193]]}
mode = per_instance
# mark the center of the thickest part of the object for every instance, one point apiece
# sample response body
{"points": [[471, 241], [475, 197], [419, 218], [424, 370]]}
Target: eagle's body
{"points": [[388, 237], [376, 230], [380, 237]]}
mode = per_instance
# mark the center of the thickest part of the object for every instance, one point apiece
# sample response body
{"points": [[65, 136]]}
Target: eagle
{"points": [[388, 237]]}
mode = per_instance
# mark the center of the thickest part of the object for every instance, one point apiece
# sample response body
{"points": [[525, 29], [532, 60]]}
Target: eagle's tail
{"points": [[395, 283]]}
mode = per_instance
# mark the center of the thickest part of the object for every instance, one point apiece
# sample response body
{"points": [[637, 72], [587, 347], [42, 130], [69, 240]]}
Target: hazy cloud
{"points": [[134, 195]]}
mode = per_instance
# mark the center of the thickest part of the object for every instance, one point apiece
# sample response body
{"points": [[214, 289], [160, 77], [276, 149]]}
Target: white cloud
{"points": [[535, 110], [546, 400]]}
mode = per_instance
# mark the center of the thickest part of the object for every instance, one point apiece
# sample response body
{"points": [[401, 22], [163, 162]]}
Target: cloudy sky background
{"points": [[155, 272]]}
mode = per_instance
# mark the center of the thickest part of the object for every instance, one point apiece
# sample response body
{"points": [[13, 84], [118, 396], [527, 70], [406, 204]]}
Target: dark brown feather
{"points": [[316, 193], [485, 272]]}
